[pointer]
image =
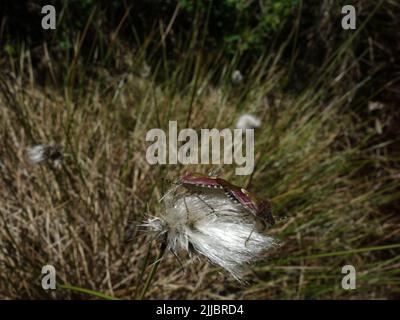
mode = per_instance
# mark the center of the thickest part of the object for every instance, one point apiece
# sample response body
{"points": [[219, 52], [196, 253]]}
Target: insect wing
{"points": [[260, 208], [244, 199]]}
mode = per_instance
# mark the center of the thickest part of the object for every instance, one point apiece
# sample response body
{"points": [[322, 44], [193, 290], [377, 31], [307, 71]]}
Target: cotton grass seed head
{"points": [[248, 121], [45, 153], [211, 225], [237, 77]]}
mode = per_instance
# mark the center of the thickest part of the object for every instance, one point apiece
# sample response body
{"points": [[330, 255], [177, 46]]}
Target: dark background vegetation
{"points": [[240, 28], [243, 26]]}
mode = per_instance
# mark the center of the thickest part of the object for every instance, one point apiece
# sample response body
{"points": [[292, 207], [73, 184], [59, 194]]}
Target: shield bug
{"points": [[261, 209]]}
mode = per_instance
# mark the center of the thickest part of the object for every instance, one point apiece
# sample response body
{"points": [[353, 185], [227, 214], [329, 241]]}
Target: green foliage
{"points": [[246, 25]]}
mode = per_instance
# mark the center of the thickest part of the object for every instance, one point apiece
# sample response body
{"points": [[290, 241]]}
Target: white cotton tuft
{"points": [[237, 77], [212, 225], [248, 121], [36, 154], [146, 70], [41, 152]]}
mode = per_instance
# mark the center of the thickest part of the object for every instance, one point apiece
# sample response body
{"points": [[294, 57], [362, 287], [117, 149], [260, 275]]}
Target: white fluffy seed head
{"points": [[248, 121], [36, 154], [42, 152], [146, 70], [237, 77], [212, 225]]}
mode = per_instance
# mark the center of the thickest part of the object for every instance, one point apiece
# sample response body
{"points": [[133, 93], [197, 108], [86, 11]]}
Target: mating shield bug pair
{"points": [[261, 209]]}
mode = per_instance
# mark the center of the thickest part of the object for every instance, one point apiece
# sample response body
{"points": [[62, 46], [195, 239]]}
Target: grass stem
{"points": [[153, 271]]}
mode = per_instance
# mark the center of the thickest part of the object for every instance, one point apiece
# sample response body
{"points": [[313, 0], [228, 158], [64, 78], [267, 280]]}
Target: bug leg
{"points": [[192, 223], [264, 226], [202, 200], [248, 238]]}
